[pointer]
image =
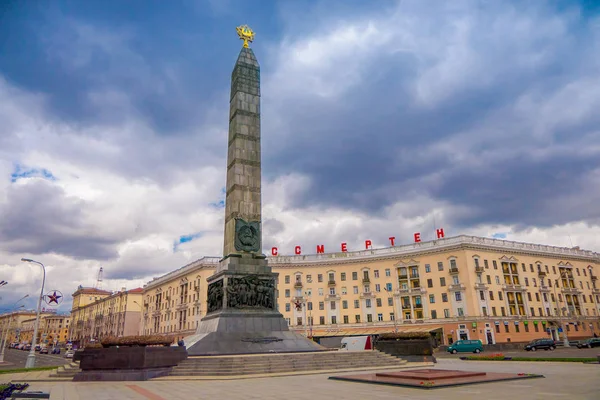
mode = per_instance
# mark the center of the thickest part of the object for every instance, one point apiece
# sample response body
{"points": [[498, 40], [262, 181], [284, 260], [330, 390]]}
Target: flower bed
{"points": [[404, 336], [501, 357], [156, 340], [487, 357], [7, 389]]}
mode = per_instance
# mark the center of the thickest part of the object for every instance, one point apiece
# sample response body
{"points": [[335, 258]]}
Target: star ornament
{"points": [[53, 298]]}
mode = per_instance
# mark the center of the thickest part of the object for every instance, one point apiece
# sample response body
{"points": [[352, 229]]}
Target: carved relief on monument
{"points": [[251, 292], [215, 296], [247, 235]]}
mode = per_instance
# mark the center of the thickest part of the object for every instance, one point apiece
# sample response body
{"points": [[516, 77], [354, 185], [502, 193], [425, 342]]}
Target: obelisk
{"points": [[242, 314]]}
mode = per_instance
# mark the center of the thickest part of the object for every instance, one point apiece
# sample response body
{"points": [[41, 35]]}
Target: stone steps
{"points": [[283, 363], [66, 371]]}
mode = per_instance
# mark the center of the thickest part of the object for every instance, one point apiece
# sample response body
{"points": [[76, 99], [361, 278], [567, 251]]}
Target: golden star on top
{"points": [[245, 33]]}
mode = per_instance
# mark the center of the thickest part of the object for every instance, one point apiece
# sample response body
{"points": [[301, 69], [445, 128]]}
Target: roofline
{"points": [[406, 250]]}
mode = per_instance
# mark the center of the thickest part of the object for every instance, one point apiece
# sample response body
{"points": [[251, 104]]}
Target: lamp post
{"points": [[142, 313], [391, 294], [30, 363]]}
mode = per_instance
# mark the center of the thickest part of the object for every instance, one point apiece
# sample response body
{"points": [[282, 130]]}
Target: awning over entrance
{"points": [[329, 332]]}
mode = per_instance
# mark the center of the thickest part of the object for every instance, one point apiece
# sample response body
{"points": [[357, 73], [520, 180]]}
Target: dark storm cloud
{"points": [[376, 143], [39, 218]]}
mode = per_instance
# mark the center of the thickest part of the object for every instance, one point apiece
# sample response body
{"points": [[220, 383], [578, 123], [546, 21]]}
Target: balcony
{"points": [[479, 270], [453, 271], [406, 306], [414, 276], [403, 276], [418, 306], [196, 288], [594, 277], [332, 297], [481, 286], [544, 288], [367, 295], [456, 287], [298, 284], [331, 282], [541, 274], [512, 287], [570, 290], [366, 280]]}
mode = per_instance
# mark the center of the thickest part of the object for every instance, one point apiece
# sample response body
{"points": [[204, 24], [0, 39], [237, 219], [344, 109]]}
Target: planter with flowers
{"points": [[129, 358]]}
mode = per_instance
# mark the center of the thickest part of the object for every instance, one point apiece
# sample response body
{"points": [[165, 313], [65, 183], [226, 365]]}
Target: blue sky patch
{"points": [[185, 239], [21, 172], [499, 235]]}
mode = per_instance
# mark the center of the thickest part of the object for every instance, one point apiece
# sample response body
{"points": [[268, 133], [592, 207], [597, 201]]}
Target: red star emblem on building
{"points": [[53, 298]]}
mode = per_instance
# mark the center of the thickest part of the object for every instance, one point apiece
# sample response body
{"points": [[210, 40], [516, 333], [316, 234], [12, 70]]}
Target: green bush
{"points": [[156, 340], [405, 336]]}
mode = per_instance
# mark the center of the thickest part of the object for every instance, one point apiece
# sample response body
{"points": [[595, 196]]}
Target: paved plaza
{"points": [[563, 380], [571, 352]]}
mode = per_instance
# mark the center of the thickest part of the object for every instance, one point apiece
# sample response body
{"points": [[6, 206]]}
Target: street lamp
{"points": [[391, 294], [142, 314], [30, 363]]}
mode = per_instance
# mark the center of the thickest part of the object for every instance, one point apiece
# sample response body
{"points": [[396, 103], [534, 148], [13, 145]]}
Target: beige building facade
{"points": [[18, 326], [460, 287], [98, 313]]}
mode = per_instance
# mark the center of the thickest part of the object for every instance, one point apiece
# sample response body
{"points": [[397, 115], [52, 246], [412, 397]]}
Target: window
{"points": [[444, 297], [529, 296], [332, 291], [388, 272], [299, 321], [321, 305], [497, 280], [485, 264], [377, 287], [516, 326], [379, 317], [287, 292], [499, 295], [390, 301], [355, 276], [287, 279], [320, 277], [331, 276], [320, 291], [491, 295], [503, 311], [433, 314], [495, 264], [392, 316], [476, 262], [287, 307], [309, 278], [343, 276], [457, 296], [442, 281], [355, 289], [446, 313], [309, 306], [440, 266], [482, 295], [357, 318], [388, 287], [429, 282], [369, 317], [346, 319], [455, 280], [332, 305], [344, 304], [378, 302], [489, 279], [344, 290], [333, 319], [427, 268], [523, 267], [356, 303], [526, 282], [453, 263], [322, 320], [460, 311], [376, 273], [431, 298], [368, 303], [366, 275], [367, 288], [506, 328]]}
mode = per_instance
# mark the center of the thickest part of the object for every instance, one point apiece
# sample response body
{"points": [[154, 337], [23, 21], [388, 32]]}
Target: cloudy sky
{"points": [[379, 119]]}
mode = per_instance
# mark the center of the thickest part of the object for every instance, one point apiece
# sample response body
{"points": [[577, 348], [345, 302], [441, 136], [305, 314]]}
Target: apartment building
{"points": [[460, 287], [99, 313]]}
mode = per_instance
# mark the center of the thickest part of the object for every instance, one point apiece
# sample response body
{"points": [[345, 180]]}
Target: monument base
{"points": [[233, 332]]}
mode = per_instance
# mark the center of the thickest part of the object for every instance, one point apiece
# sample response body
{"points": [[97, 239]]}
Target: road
{"points": [[571, 352], [16, 359]]}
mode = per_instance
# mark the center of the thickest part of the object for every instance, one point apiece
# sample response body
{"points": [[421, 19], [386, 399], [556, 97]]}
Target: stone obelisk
{"points": [[242, 314]]}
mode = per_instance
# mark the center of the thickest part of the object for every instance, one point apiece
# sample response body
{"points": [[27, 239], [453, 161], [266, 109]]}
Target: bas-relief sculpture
{"points": [[242, 292], [247, 235]]}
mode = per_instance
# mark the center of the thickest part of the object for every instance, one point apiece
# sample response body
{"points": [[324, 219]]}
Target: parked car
{"points": [[69, 354], [540, 344], [589, 343], [44, 350], [469, 346]]}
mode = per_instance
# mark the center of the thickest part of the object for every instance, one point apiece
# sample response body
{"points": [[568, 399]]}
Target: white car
{"points": [[69, 354]]}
